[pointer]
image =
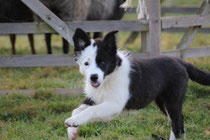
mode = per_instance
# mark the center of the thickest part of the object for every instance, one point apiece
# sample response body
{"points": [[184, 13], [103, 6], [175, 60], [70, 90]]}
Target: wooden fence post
{"points": [[145, 41], [151, 40], [145, 44], [154, 27]]}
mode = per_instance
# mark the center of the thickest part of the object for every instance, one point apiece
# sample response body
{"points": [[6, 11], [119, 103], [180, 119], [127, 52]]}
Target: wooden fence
{"points": [[171, 10], [150, 33]]}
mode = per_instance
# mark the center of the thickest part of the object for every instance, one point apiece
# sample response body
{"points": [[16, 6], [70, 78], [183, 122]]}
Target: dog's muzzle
{"points": [[94, 80]]}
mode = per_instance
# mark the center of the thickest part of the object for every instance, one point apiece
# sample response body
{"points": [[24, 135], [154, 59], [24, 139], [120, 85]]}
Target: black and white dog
{"points": [[114, 81]]}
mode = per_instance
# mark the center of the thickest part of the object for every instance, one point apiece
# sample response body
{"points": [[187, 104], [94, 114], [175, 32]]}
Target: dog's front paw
{"points": [[72, 122], [72, 132]]}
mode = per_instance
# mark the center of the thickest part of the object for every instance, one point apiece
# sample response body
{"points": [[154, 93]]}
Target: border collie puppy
{"points": [[114, 81]]}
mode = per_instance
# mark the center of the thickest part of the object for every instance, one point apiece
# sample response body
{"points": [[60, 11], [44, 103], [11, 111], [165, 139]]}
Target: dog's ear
{"points": [[109, 42], [81, 40]]}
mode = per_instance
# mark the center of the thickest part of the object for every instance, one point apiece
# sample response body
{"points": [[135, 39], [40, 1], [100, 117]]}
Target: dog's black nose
{"points": [[94, 77]]}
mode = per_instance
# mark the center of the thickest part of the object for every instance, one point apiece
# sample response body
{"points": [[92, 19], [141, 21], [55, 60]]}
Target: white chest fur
{"points": [[115, 86]]}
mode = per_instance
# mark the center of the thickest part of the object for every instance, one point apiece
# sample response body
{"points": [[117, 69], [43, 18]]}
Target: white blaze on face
{"points": [[87, 64]]}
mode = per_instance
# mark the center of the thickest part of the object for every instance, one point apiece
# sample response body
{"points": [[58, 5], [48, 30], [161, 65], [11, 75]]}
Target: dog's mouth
{"points": [[95, 85]]}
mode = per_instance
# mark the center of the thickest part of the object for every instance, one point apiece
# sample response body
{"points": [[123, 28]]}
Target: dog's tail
{"points": [[196, 74]]}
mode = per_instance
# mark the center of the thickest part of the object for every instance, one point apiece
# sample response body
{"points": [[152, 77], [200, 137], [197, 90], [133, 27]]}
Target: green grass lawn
{"points": [[42, 115]]}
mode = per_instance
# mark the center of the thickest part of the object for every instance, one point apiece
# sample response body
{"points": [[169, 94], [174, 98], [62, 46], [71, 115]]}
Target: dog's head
{"points": [[96, 58]]}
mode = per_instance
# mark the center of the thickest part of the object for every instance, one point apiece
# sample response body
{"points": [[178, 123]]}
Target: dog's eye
{"points": [[102, 63], [86, 63]]}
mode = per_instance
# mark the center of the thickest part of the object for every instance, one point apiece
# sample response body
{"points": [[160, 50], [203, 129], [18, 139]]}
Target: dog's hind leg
{"points": [[175, 116], [160, 102], [183, 131], [173, 135], [173, 104], [174, 110]]}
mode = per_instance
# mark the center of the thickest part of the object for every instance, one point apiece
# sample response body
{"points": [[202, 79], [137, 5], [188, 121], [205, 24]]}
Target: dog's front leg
{"points": [[79, 109], [73, 131], [102, 111]]}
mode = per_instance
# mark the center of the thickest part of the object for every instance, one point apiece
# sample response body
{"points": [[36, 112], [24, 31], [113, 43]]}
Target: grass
{"points": [[40, 77], [42, 116]]}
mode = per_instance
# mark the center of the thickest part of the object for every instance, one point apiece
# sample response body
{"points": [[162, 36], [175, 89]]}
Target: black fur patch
{"points": [[163, 79], [81, 41], [89, 101], [107, 59], [154, 78]]}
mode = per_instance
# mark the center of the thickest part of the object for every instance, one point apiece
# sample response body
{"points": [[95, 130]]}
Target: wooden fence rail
{"points": [[40, 28], [185, 21], [36, 60], [150, 30], [172, 10], [89, 26], [43, 60], [68, 60], [103, 26], [189, 52]]}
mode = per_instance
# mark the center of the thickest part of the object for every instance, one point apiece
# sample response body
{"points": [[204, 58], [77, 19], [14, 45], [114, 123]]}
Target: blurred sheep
{"points": [[105, 10], [16, 11], [67, 10], [78, 10]]}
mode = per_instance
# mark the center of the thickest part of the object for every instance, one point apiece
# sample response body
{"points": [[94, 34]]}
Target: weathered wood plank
{"points": [[179, 10], [71, 92], [67, 60], [56, 23], [191, 32], [184, 21], [89, 26], [172, 53], [43, 60], [25, 28], [154, 27], [171, 10], [145, 35], [37, 60], [188, 37], [101, 26], [196, 52], [58, 91], [145, 45], [189, 52], [181, 30]]}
